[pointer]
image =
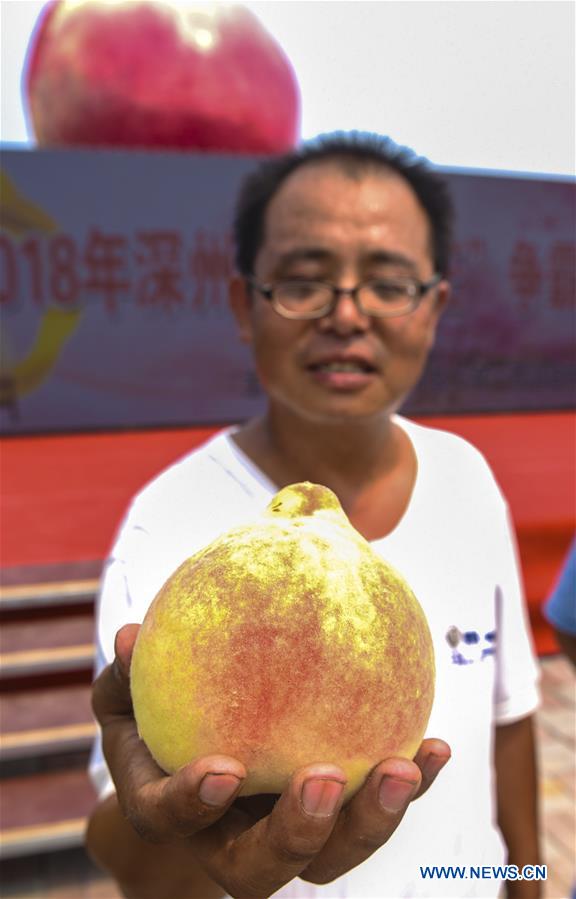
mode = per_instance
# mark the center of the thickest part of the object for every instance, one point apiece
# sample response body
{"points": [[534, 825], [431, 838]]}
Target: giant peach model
{"points": [[285, 642], [159, 74]]}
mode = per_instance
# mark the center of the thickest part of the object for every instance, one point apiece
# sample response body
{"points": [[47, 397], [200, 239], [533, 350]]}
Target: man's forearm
{"points": [[145, 870], [517, 795]]}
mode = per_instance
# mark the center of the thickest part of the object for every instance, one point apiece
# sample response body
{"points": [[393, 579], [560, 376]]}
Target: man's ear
{"points": [[241, 303], [443, 294], [441, 298]]}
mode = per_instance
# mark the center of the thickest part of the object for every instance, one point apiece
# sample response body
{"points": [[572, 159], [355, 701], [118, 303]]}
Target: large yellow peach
{"points": [[285, 642]]}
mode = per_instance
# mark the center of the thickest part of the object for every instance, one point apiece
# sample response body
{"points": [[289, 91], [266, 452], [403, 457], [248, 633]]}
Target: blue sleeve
{"points": [[560, 609]]}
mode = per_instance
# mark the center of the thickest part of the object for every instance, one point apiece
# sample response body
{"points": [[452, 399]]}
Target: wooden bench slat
{"points": [[45, 799], [33, 646], [44, 741], [47, 632], [43, 661], [45, 707], [20, 841], [51, 594], [45, 721]]}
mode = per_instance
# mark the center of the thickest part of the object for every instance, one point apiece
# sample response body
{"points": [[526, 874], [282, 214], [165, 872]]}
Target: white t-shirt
{"points": [[455, 547]]}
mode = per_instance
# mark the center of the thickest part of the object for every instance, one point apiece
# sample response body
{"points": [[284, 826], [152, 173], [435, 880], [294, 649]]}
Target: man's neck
{"points": [[345, 456], [371, 465]]}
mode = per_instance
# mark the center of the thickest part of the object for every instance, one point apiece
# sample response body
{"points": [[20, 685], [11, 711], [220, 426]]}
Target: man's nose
{"points": [[346, 317]]}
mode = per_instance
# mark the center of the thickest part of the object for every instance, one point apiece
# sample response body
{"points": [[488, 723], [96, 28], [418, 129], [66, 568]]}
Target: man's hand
{"points": [[248, 848]]}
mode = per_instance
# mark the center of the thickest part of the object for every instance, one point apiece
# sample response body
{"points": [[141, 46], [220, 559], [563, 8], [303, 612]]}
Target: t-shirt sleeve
{"points": [[516, 693]]}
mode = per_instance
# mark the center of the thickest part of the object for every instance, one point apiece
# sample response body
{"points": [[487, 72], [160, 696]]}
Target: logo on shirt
{"points": [[470, 646]]}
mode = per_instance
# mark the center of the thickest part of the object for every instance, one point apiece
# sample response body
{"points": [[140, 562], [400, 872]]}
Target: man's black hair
{"points": [[355, 152]]}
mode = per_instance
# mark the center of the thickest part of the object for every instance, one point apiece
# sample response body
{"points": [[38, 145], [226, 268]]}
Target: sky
{"points": [[486, 84]]}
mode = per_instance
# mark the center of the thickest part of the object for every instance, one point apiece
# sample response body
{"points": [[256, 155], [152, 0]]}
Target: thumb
{"points": [[124, 647], [111, 689]]}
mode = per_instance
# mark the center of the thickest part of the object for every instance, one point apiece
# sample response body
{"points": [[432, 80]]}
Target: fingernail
{"points": [[320, 797], [217, 789], [394, 794]]}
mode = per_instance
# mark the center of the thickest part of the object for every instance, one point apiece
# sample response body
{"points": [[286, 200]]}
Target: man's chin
{"points": [[340, 412], [333, 408]]}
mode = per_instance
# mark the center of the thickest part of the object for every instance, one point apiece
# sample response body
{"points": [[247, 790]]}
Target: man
{"points": [[342, 260], [560, 608]]}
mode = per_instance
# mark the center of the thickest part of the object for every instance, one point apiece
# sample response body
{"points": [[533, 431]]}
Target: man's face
{"points": [[325, 225]]}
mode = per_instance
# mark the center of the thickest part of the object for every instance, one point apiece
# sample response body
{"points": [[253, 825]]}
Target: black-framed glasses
{"points": [[299, 298]]}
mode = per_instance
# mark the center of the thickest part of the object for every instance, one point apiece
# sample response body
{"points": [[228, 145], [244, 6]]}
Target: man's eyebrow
{"points": [[385, 257]]}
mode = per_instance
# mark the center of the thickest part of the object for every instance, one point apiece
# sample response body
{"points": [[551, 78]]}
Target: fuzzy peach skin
{"points": [[285, 642]]}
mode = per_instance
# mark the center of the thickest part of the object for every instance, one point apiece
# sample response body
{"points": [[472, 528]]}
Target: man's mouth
{"points": [[340, 365], [343, 374]]}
